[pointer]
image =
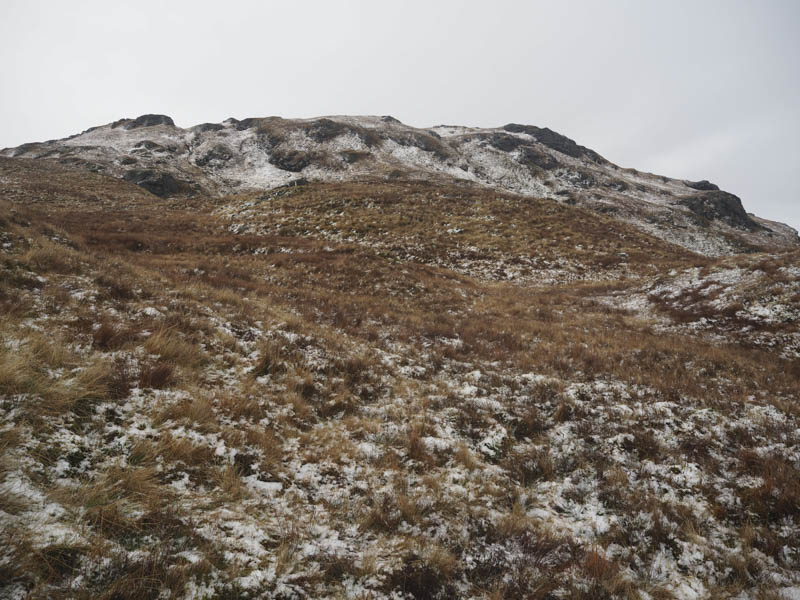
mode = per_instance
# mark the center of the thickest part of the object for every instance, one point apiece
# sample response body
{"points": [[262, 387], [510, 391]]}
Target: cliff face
{"points": [[263, 153]]}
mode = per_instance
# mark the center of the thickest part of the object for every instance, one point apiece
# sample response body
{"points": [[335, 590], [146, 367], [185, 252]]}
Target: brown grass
{"points": [[170, 347], [396, 296], [156, 375]]}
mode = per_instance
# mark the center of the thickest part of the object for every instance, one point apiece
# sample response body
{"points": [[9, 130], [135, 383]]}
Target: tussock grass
{"points": [[317, 369], [156, 375], [197, 412], [181, 450], [172, 348], [17, 375], [10, 502], [229, 481], [48, 257]]}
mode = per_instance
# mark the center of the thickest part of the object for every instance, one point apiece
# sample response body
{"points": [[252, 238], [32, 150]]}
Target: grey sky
{"points": [[689, 89]]}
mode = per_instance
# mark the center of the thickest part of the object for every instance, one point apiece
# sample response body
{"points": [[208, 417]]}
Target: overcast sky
{"points": [[690, 89]]}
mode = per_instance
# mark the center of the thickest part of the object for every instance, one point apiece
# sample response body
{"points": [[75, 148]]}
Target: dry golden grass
{"points": [[16, 374], [466, 457], [241, 407], [10, 502], [156, 375], [181, 450], [50, 257], [321, 345], [270, 359], [169, 346], [197, 413], [229, 481]]}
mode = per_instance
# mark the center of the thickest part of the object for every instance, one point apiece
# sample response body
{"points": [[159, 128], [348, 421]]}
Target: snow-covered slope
{"points": [[236, 156]]}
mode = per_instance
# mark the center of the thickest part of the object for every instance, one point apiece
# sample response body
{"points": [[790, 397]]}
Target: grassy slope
{"points": [[377, 388]]}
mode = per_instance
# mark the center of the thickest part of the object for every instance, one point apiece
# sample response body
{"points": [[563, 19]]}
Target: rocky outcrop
{"points": [[554, 140], [263, 153], [216, 156], [703, 186], [720, 206], [293, 161], [204, 127], [159, 183], [149, 121]]}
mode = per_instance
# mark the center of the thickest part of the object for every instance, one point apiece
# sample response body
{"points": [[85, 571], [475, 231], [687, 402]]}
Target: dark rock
{"points": [[369, 136], [421, 140], [582, 179], [218, 154], [118, 123], [25, 148], [703, 186], [617, 186], [554, 140], [323, 130], [291, 160], [720, 206], [150, 146], [128, 160], [243, 463], [533, 157], [607, 210], [87, 165], [293, 183], [390, 119], [397, 174], [248, 123], [505, 142], [353, 156], [149, 121], [77, 135], [203, 127], [50, 153], [159, 183]]}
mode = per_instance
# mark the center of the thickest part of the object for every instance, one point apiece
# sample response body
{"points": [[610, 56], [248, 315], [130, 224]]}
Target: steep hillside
{"points": [[383, 389], [258, 154]]}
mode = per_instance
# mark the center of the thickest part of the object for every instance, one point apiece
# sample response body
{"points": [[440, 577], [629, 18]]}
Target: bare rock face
{"points": [[554, 140], [159, 183], [264, 153], [217, 155], [703, 186], [721, 206], [293, 161], [149, 121]]}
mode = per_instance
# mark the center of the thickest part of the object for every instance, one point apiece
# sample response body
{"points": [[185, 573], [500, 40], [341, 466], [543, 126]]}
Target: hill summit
{"points": [[262, 153]]}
